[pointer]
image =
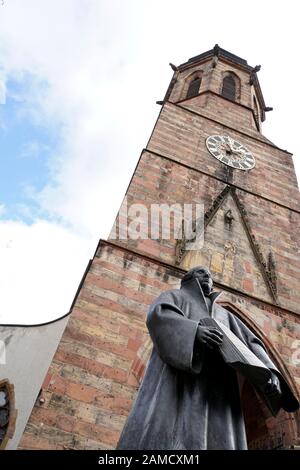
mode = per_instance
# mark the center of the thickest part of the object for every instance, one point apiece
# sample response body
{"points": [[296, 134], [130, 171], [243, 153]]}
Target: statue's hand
{"points": [[209, 336], [273, 386]]}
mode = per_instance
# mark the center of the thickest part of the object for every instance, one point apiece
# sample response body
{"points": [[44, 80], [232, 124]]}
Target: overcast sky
{"points": [[78, 84]]}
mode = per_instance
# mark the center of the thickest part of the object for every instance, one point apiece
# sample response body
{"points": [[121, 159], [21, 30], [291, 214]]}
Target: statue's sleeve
{"points": [[174, 335], [290, 401]]}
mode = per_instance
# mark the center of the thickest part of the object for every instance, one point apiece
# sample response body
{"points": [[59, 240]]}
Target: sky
{"points": [[79, 81]]}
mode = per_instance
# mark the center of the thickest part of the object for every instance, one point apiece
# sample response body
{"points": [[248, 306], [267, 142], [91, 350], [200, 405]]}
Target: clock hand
{"points": [[240, 152], [231, 145], [234, 148]]}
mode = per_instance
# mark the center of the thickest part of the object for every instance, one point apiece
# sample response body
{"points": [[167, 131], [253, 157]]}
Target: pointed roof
{"points": [[218, 51]]}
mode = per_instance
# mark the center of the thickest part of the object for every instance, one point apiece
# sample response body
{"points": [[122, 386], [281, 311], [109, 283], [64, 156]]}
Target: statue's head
{"points": [[203, 275]]}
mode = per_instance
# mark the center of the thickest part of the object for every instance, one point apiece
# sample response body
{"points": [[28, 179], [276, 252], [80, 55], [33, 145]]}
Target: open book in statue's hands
{"points": [[237, 355]]}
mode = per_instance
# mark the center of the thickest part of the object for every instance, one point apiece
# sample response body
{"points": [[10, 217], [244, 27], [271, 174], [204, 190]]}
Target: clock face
{"points": [[230, 151]]}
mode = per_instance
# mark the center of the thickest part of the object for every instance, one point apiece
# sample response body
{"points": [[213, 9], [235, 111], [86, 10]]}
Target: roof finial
{"points": [[216, 50], [215, 58]]}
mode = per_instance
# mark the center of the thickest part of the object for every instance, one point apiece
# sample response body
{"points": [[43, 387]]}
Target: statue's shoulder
{"points": [[170, 296]]}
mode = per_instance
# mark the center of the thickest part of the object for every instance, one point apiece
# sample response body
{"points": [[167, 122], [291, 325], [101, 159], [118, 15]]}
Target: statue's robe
{"points": [[189, 398]]}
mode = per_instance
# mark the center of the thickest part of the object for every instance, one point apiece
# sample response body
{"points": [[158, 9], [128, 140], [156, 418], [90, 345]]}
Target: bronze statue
{"points": [[189, 398]]}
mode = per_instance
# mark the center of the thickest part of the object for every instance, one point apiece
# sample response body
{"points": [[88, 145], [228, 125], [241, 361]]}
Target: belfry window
{"points": [[194, 87], [229, 88]]}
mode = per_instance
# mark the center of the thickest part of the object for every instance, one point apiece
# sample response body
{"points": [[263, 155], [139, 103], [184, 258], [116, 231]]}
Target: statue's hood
{"points": [[192, 289]]}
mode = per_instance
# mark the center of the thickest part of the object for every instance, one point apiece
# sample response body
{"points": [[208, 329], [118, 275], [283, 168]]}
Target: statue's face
{"points": [[205, 279]]}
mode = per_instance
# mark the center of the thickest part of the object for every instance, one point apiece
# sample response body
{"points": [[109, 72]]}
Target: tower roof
{"points": [[221, 53]]}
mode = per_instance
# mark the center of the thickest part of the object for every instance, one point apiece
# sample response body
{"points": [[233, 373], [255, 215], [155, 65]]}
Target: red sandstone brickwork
{"points": [[159, 180], [223, 110], [181, 135]]}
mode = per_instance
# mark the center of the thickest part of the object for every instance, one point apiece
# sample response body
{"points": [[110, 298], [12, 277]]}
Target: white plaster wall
{"points": [[26, 359]]}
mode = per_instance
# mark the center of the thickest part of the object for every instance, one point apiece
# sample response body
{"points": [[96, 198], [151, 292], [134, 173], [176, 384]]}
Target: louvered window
{"points": [[229, 88], [194, 87]]}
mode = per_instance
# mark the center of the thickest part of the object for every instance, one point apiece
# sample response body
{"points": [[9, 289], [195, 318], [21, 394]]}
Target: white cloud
{"points": [[41, 267], [97, 67], [2, 89], [2, 210], [32, 149]]}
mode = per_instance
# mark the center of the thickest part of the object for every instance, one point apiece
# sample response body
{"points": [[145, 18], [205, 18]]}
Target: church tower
{"points": [[206, 149]]}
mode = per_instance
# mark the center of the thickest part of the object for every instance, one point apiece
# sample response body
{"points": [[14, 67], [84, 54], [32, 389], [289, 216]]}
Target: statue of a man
{"points": [[189, 398]]}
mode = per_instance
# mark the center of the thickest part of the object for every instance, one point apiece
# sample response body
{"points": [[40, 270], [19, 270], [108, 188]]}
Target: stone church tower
{"points": [[206, 148]]}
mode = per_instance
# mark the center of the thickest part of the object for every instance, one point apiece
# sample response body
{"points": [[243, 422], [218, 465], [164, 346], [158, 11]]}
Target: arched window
{"points": [[229, 88], [194, 87]]}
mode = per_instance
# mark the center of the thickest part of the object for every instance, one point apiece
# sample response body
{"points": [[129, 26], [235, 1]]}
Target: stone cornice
{"points": [[185, 165], [181, 272]]}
